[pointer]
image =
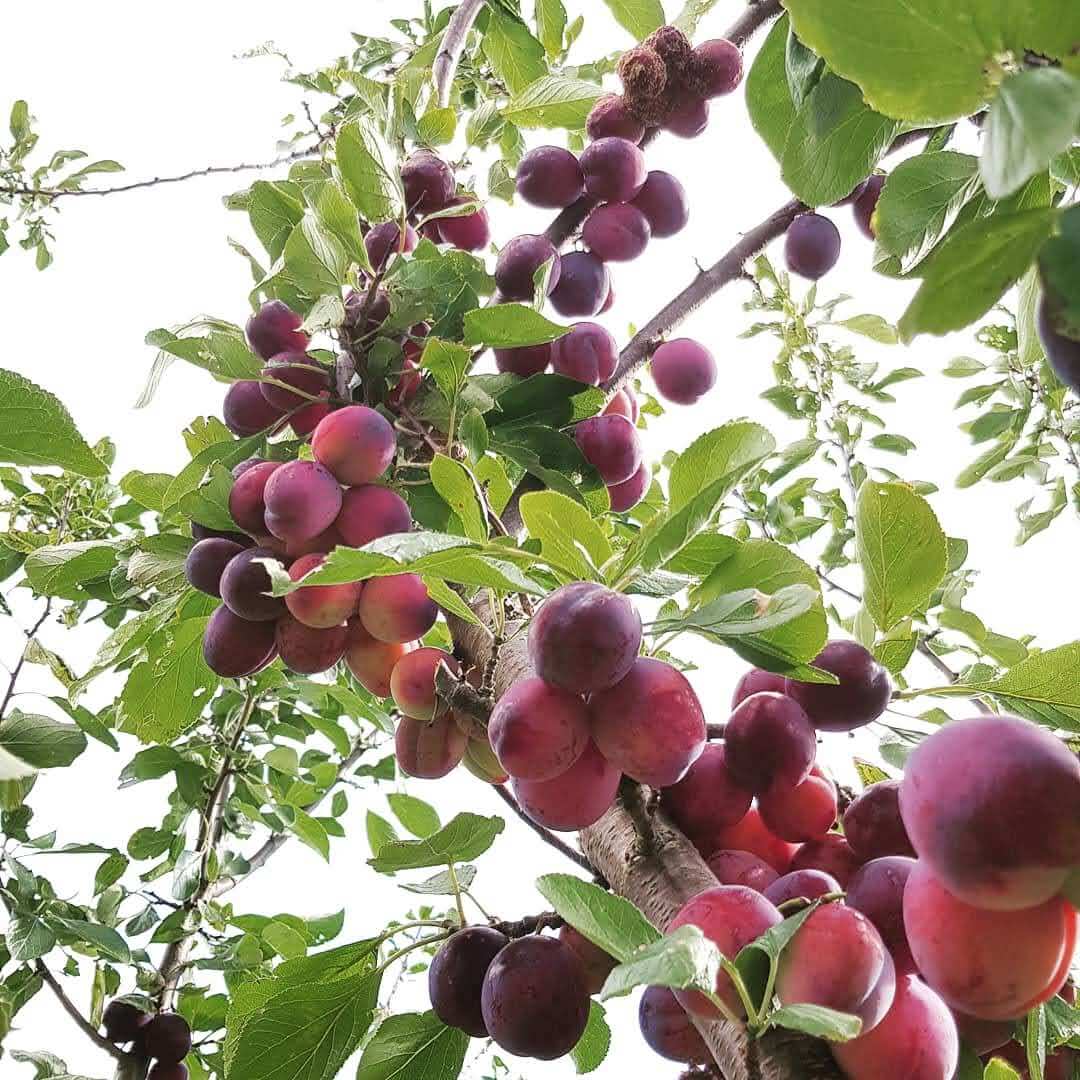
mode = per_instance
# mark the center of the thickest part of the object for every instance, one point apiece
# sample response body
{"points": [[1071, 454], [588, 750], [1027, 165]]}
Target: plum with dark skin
{"points": [[683, 370], [456, 977], [123, 1022], [805, 811], [584, 285], [534, 999], [1009, 830], [860, 697], [611, 117], [754, 682], [586, 352], [983, 1036], [873, 825], [830, 853], [662, 199], [650, 724], [742, 868], [623, 404], [994, 965], [320, 606], [168, 1038], [751, 834], [302, 500], [234, 647], [801, 884], [429, 750], [769, 740], [307, 377], [307, 650], [385, 240], [538, 730], [688, 118], [575, 800], [412, 682], [877, 890], [865, 203], [371, 661], [716, 68], [246, 411], [1062, 352], [245, 586], [707, 798], [518, 262], [668, 1030], [428, 182], [162, 1070], [611, 445], [550, 176], [466, 232], [629, 493], [275, 328], [614, 169], [524, 361], [597, 963], [584, 638], [369, 512], [812, 246], [397, 608], [616, 232], [206, 562], [356, 444]]}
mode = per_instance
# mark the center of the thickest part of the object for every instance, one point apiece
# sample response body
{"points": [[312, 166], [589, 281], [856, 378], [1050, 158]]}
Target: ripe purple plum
{"points": [[397, 608], [623, 404], [650, 724], [246, 410], [369, 512], [234, 647], [597, 963], [307, 650], [534, 999], [320, 606], [805, 811], [307, 419], [742, 868], [916, 1040], [754, 682], [206, 562], [610, 117], [984, 1036], [466, 232], [307, 377], [860, 697], [683, 370], [994, 965], [168, 1038], [812, 246], [877, 890], [371, 661], [668, 1030], [716, 68], [611, 445], [429, 750], [123, 1021], [412, 682], [662, 199], [302, 500], [518, 262], [865, 204], [830, 853], [873, 825], [629, 493], [575, 800], [356, 444], [167, 1070], [707, 798], [428, 182], [456, 977], [730, 916], [584, 285], [586, 352], [1062, 352], [616, 232], [1009, 829], [584, 638], [275, 328], [538, 730], [524, 361], [688, 118], [385, 240], [769, 740], [801, 884], [751, 834], [614, 169], [245, 586], [550, 176]]}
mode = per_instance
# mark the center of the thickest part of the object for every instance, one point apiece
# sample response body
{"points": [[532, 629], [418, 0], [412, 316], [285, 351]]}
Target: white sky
{"points": [[158, 88]]}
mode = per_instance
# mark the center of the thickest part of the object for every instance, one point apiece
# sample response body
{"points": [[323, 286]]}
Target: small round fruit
{"points": [[616, 232], [302, 500], [683, 370], [597, 963], [306, 377], [877, 890], [234, 647], [356, 444], [397, 608], [385, 240], [611, 445], [525, 361], [206, 562], [584, 285], [538, 730], [804, 812], [859, 698], [246, 585], [412, 682], [742, 868], [123, 1021], [689, 118], [662, 199], [1062, 352], [873, 825], [629, 493], [575, 800], [550, 176], [668, 1030], [812, 246], [168, 1038], [518, 263], [717, 67], [370, 512], [246, 411], [754, 682], [371, 661], [456, 977], [801, 884], [429, 750], [611, 117], [428, 182], [247, 497], [751, 834], [466, 232], [306, 650], [865, 204], [614, 169], [706, 799], [586, 352], [320, 606], [275, 328], [623, 404], [830, 853], [769, 740]]}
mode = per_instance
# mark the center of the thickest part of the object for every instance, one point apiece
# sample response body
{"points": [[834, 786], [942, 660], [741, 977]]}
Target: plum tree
{"points": [[206, 562], [663, 201], [1010, 829], [799, 812], [812, 246], [742, 868], [428, 182], [576, 798], [167, 1037], [683, 371], [356, 444], [583, 286], [234, 647], [586, 352], [614, 169], [611, 445], [369, 512], [584, 638], [534, 998], [550, 176], [860, 696], [707, 798], [275, 328], [538, 730], [397, 608], [616, 232], [308, 650], [668, 1030], [429, 750], [412, 682], [877, 890], [873, 826], [518, 263], [610, 117], [597, 963], [370, 660], [804, 884], [650, 724], [769, 740], [456, 977], [245, 586], [123, 1021], [830, 853]]}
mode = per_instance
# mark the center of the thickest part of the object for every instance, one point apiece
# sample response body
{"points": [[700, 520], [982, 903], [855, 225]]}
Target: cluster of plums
{"points": [[165, 1038]]}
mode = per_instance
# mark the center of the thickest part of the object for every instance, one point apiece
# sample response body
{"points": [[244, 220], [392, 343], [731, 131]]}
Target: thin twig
{"points": [[453, 42], [17, 669], [81, 1022]]}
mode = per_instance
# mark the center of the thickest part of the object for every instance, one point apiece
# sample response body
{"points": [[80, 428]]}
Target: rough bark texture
{"points": [[659, 878]]}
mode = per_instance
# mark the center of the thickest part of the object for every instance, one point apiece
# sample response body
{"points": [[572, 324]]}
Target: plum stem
{"points": [[81, 1022]]}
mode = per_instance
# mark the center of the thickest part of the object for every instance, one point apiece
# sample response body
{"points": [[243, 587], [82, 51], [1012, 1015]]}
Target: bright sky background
{"points": [[159, 88]]}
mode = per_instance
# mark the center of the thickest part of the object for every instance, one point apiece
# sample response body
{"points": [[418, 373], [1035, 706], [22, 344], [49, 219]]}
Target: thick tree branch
{"points": [[453, 42], [81, 1022]]}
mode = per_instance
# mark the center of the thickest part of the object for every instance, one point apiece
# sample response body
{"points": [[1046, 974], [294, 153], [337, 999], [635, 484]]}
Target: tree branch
{"points": [[81, 1022], [17, 669], [453, 42]]}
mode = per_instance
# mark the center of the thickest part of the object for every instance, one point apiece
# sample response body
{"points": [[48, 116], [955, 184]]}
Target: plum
{"points": [[742, 868], [371, 661], [716, 68], [629, 493], [123, 1021], [412, 682], [769, 740], [246, 410], [586, 352], [683, 370], [584, 285], [538, 730], [456, 977], [1062, 352], [668, 1030], [307, 650], [801, 884], [550, 176], [830, 853], [860, 697], [800, 812], [812, 246], [611, 445], [302, 500], [275, 328], [517, 265], [616, 232], [206, 562], [610, 116], [385, 240], [429, 750], [320, 606], [234, 647], [877, 890], [397, 608], [574, 800], [597, 963], [524, 361], [369, 512], [662, 199], [466, 232], [246, 585], [356, 444], [168, 1038], [707, 798], [428, 182], [873, 825], [614, 169]]}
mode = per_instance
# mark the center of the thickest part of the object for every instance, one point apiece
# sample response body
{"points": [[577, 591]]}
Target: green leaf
{"points": [[458, 490], [902, 550], [835, 141], [929, 61], [314, 257], [639, 17], [551, 25], [734, 446], [13, 769], [379, 832], [1035, 115], [972, 270], [505, 326], [464, 838], [40, 741], [284, 940], [873, 327], [36, 429], [1045, 687], [419, 817], [554, 101], [442, 884], [593, 1046], [568, 535], [998, 1069], [818, 1021], [448, 363], [103, 938], [310, 831], [684, 959], [768, 97], [414, 1046], [368, 171], [551, 400], [516, 56], [274, 210], [607, 920], [64, 569], [28, 938], [1035, 1042], [436, 127]]}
